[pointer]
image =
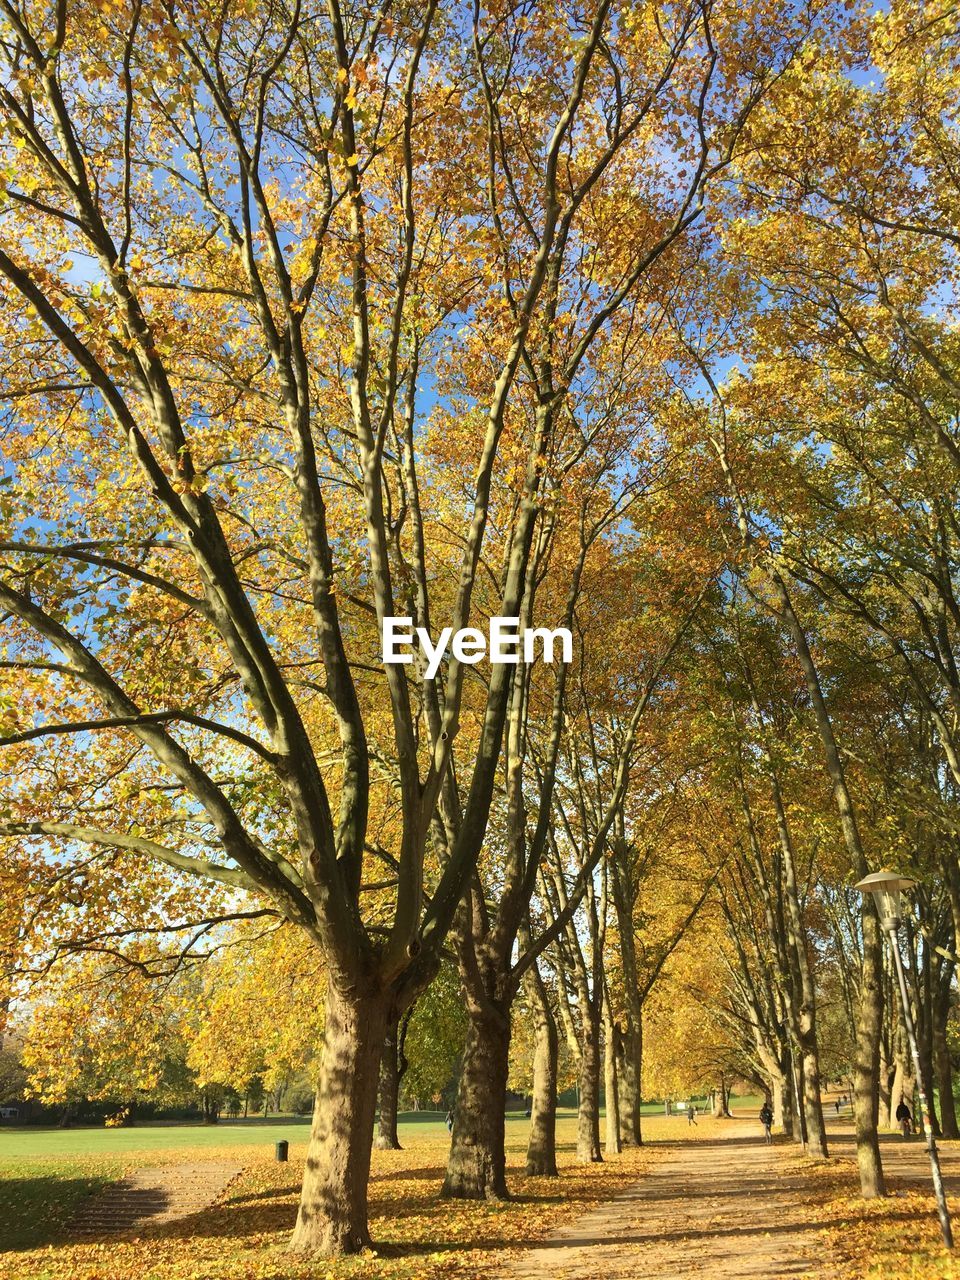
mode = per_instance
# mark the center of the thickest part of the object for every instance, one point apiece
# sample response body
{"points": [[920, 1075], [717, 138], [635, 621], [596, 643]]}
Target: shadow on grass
{"points": [[37, 1210]]}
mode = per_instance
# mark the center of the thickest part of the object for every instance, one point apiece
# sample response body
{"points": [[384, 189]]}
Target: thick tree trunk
{"points": [[923, 1018], [784, 1112], [333, 1203], [926, 1067], [885, 1077], [812, 1105], [941, 1053], [612, 1144], [476, 1167], [387, 1138], [628, 1082], [896, 1092], [866, 1100], [611, 1091], [904, 1085], [542, 1144], [721, 1105], [588, 1116], [778, 1099], [631, 1039]]}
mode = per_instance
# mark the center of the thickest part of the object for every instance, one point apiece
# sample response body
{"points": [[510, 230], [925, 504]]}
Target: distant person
{"points": [[837, 1104], [449, 1121], [904, 1119], [691, 1114], [766, 1119]]}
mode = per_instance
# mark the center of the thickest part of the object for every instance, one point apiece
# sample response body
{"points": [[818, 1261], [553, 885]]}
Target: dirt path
{"points": [[152, 1196], [726, 1208]]}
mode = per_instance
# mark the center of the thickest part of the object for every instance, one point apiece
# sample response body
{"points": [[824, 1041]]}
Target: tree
{"points": [[235, 488]]}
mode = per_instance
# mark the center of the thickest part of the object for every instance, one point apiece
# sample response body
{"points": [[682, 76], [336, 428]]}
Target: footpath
{"points": [[727, 1208]]}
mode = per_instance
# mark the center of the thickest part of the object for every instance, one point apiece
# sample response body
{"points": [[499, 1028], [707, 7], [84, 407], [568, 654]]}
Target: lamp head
{"points": [[886, 888]]}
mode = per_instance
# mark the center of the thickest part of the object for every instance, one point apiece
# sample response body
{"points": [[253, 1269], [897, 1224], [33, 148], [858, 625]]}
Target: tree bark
{"points": [[476, 1167], [866, 1101], [542, 1144], [588, 1115], [885, 1078], [333, 1204], [784, 1111], [721, 1106], [944, 1068], [812, 1104], [387, 1138], [610, 1083], [904, 1085], [628, 1080], [923, 1015], [631, 1042]]}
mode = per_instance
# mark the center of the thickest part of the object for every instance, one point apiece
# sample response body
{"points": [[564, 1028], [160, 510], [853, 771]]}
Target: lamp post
{"points": [[886, 887]]}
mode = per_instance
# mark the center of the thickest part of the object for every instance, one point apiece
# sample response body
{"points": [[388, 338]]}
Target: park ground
{"points": [[710, 1201]]}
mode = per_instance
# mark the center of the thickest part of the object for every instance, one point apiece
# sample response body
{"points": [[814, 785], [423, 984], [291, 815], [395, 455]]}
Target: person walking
{"points": [[691, 1115], [449, 1121], [904, 1119], [766, 1119]]}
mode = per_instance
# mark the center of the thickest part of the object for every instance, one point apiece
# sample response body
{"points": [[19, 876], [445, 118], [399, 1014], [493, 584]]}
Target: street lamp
{"points": [[886, 888]]}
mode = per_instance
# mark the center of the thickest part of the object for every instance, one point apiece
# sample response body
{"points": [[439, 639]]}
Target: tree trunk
{"points": [[588, 1116], [476, 1167], [923, 1019], [870, 1013], [721, 1106], [941, 1053], [333, 1204], [610, 1083], [866, 1100], [885, 1107], [784, 1112], [904, 1085], [628, 1082], [542, 1144], [804, 1002], [812, 1105], [387, 1138], [631, 1038]]}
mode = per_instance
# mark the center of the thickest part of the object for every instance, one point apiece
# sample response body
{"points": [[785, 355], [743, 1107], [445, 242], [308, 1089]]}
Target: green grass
{"points": [[37, 1199], [28, 1142]]}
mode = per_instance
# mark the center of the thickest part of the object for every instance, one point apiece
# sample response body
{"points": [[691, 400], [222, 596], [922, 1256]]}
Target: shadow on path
{"points": [[727, 1208]]}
